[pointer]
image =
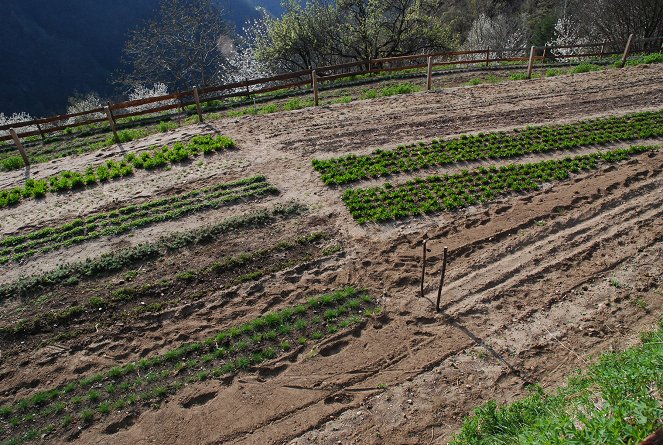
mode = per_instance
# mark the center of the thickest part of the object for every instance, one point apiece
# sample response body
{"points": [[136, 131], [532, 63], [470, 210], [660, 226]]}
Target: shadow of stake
{"points": [[480, 342]]}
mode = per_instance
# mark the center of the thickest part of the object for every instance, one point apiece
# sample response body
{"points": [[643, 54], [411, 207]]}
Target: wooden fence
{"points": [[314, 77]]}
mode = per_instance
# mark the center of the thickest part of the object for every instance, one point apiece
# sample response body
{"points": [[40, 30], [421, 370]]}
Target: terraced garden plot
{"points": [[126, 303], [125, 258], [450, 192], [15, 248], [138, 385], [156, 158], [351, 168]]}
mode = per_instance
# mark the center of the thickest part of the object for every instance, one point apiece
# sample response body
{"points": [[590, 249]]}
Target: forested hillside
{"points": [[50, 50]]}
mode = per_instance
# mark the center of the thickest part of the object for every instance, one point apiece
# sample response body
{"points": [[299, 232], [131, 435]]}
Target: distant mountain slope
{"points": [[50, 49]]}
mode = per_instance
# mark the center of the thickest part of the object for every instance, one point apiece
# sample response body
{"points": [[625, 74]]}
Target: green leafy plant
{"points": [[112, 170], [497, 145], [131, 217], [469, 187]]}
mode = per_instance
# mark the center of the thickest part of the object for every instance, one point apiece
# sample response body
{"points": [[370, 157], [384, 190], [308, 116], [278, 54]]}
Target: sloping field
{"points": [[232, 297]]}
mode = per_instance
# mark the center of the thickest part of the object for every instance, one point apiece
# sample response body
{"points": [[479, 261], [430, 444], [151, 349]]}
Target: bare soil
{"points": [[537, 283]]}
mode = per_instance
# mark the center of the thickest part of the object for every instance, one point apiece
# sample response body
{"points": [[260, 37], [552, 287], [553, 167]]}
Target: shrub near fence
{"points": [[314, 77]]}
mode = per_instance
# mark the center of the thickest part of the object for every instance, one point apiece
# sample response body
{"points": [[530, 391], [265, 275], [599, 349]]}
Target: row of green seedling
{"points": [[126, 219], [155, 158], [225, 272], [132, 256], [469, 187], [406, 158], [140, 384]]}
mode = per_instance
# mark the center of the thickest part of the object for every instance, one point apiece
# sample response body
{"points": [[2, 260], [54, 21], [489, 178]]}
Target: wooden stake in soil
{"points": [[442, 272], [20, 147], [627, 50], [314, 85], [429, 78], [196, 97], [423, 268], [530, 66], [111, 122], [487, 56]]}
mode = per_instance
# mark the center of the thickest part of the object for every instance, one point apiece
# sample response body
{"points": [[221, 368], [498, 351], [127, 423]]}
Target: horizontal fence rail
{"points": [[311, 78]]}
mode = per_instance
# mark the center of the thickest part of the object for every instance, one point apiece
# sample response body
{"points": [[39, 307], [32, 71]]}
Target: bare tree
{"points": [[616, 19], [179, 48]]}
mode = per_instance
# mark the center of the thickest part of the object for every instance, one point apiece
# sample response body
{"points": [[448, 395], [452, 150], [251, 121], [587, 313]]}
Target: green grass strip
{"points": [[151, 379], [128, 257], [615, 401], [469, 187], [380, 163], [156, 158]]}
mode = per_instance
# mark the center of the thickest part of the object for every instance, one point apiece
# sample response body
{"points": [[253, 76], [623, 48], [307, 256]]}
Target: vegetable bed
{"points": [[122, 220], [406, 158], [138, 385], [450, 192]]}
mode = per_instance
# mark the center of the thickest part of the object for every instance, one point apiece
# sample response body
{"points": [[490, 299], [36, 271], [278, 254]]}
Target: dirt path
{"points": [[530, 289]]}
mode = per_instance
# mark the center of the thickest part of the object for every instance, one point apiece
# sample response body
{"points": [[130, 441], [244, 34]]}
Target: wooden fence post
{"points": [[41, 133], [429, 78], [111, 121], [530, 66], [196, 97], [179, 98], [487, 56], [627, 50], [21, 150], [602, 49], [442, 272], [545, 53], [314, 85], [423, 268]]}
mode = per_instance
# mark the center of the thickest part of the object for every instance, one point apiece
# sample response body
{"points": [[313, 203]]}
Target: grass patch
{"points": [[401, 88], [585, 67], [612, 402]]}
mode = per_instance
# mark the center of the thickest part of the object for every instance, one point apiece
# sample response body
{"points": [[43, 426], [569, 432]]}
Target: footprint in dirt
{"points": [[122, 424], [198, 399]]}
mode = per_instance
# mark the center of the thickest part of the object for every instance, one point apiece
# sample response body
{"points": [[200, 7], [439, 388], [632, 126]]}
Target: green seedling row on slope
{"points": [[138, 385], [111, 170], [469, 187], [135, 216], [350, 168], [226, 272], [130, 257]]}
